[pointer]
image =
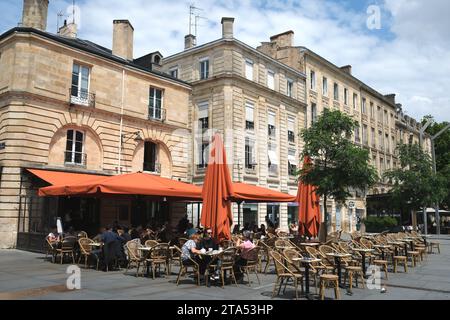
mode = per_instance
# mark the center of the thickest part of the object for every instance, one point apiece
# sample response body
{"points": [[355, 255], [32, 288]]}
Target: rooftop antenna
{"points": [[192, 12], [197, 17], [60, 16], [73, 11]]}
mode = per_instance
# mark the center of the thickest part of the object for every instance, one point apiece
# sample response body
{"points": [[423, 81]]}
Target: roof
{"points": [[93, 48]]}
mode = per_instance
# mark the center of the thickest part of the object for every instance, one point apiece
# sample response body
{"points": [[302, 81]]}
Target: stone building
{"points": [[333, 87], [258, 103], [70, 105]]}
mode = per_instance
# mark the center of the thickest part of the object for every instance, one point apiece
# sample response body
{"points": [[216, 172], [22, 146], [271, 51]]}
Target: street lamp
{"points": [[124, 137]]}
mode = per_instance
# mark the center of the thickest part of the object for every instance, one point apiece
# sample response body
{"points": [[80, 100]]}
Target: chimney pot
{"points": [[189, 41], [227, 27], [284, 39], [34, 14], [123, 39], [347, 68]]}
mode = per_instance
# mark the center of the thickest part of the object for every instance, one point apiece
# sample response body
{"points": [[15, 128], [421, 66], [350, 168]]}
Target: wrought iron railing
{"points": [[158, 114], [81, 97], [75, 158]]}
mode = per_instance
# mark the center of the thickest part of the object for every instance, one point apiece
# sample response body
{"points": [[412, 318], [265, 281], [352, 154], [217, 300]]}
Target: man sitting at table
{"points": [[245, 247], [207, 241]]}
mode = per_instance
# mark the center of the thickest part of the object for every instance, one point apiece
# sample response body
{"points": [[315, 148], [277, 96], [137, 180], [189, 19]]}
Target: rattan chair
{"points": [[227, 258], [253, 263], [67, 249], [134, 255], [284, 274], [327, 279], [184, 268], [159, 255], [86, 251], [151, 243]]}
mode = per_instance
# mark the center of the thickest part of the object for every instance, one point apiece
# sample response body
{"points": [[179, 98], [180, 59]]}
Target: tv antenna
{"points": [[194, 13], [58, 20]]}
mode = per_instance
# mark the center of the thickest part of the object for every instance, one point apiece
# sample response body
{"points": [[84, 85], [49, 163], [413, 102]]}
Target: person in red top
{"points": [[245, 247]]}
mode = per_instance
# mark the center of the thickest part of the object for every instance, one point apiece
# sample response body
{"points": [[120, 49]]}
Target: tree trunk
{"points": [[323, 232]]}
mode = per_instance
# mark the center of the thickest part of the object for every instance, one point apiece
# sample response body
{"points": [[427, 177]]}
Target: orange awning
{"points": [[139, 183], [59, 177], [217, 192], [251, 193]]}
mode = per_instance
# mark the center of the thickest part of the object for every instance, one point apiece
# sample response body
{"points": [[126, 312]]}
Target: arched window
{"points": [[74, 153], [157, 59]]}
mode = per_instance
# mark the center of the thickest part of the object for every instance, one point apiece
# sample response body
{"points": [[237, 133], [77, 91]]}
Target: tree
{"points": [[415, 185], [339, 165], [442, 151]]}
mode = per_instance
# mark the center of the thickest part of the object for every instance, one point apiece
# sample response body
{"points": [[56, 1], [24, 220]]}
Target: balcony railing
{"points": [[202, 166], [152, 167], [250, 167], [158, 114], [249, 125], [271, 131], [75, 158], [81, 97], [291, 136]]}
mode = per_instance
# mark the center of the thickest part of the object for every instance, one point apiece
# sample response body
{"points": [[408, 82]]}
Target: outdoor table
{"points": [[213, 254], [307, 263], [395, 244], [381, 247], [363, 253], [411, 242], [337, 259]]}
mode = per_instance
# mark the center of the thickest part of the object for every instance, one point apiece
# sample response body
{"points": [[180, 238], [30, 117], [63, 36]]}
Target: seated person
{"points": [[54, 238], [190, 230], [189, 250], [244, 246], [207, 241]]}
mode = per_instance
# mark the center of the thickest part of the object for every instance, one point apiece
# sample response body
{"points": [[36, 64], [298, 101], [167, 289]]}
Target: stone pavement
{"points": [[26, 275]]}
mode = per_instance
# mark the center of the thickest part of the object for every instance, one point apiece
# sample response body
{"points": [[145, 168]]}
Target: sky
{"points": [[394, 46]]}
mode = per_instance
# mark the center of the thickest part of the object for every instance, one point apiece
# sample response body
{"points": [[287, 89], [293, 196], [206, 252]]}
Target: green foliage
{"points": [[339, 165], [414, 183], [442, 151], [379, 224]]}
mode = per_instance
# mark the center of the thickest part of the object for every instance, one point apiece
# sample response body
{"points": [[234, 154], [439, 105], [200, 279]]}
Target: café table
{"points": [[213, 254], [307, 263], [363, 252], [382, 247], [337, 259], [146, 252], [396, 244]]}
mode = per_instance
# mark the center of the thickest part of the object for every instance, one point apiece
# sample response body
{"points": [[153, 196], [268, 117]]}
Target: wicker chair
{"points": [[151, 243], [227, 258], [159, 255], [184, 269], [284, 274], [324, 266], [134, 255], [253, 263], [67, 248], [327, 279], [82, 234], [86, 251], [50, 249]]}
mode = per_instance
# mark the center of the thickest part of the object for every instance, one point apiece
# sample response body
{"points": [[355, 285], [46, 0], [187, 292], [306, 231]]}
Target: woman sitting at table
{"points": [[189, 250], [245, 247]]}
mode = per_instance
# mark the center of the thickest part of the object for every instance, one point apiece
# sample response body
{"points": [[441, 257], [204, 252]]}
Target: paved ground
{"points": [[25, 275]]}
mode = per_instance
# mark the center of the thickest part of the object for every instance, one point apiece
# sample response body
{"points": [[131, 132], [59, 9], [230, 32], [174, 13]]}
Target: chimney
{"points": [[227, 27], [347, 68], [34, 14], [189, 41], [123, 39], [284, 39], [390, 97], [68, 30]]}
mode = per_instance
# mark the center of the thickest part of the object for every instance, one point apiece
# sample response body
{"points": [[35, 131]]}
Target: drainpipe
{"points": [[121, 122]]}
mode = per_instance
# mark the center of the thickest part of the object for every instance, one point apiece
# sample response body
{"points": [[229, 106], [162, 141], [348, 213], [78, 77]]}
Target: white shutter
{"points": [[273, 158], [249, 69], [292, 159], [203, 110], [271, 118], [271, 79], [291, 125], [249, 116]]}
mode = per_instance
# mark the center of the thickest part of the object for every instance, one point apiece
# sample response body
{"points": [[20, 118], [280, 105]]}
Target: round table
{"points": [[337, 259], [363, 252]]}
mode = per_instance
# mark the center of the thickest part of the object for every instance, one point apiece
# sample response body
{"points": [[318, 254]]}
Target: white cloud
{"points": [[414, 63]]}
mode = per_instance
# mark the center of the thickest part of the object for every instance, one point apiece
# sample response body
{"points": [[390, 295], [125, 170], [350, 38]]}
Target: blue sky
{"points": [[408, 55]]}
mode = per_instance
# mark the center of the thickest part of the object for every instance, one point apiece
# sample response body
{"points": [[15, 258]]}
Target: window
{"points": [[380, 140], [204, 69], [313, 80], [249, 116], [392, 120], [345, 96], [271, 79], [387, 142], [151, 157], [357, 138], [363, 106], [336, 91], [79, 90], [74, 148], [381, 166], [355, 101], [203, 124], [203, 155], [272, 158], [174, 72], [373, 137], [388, 164], [393, 144], [325, 87], [364, 134], [290, 87], [249, 153], [292, 162], [313, 112], [291, 129], [380, 114], [372, 111], [271, 124], [155, 104], [249, 69], [386, 119]]}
